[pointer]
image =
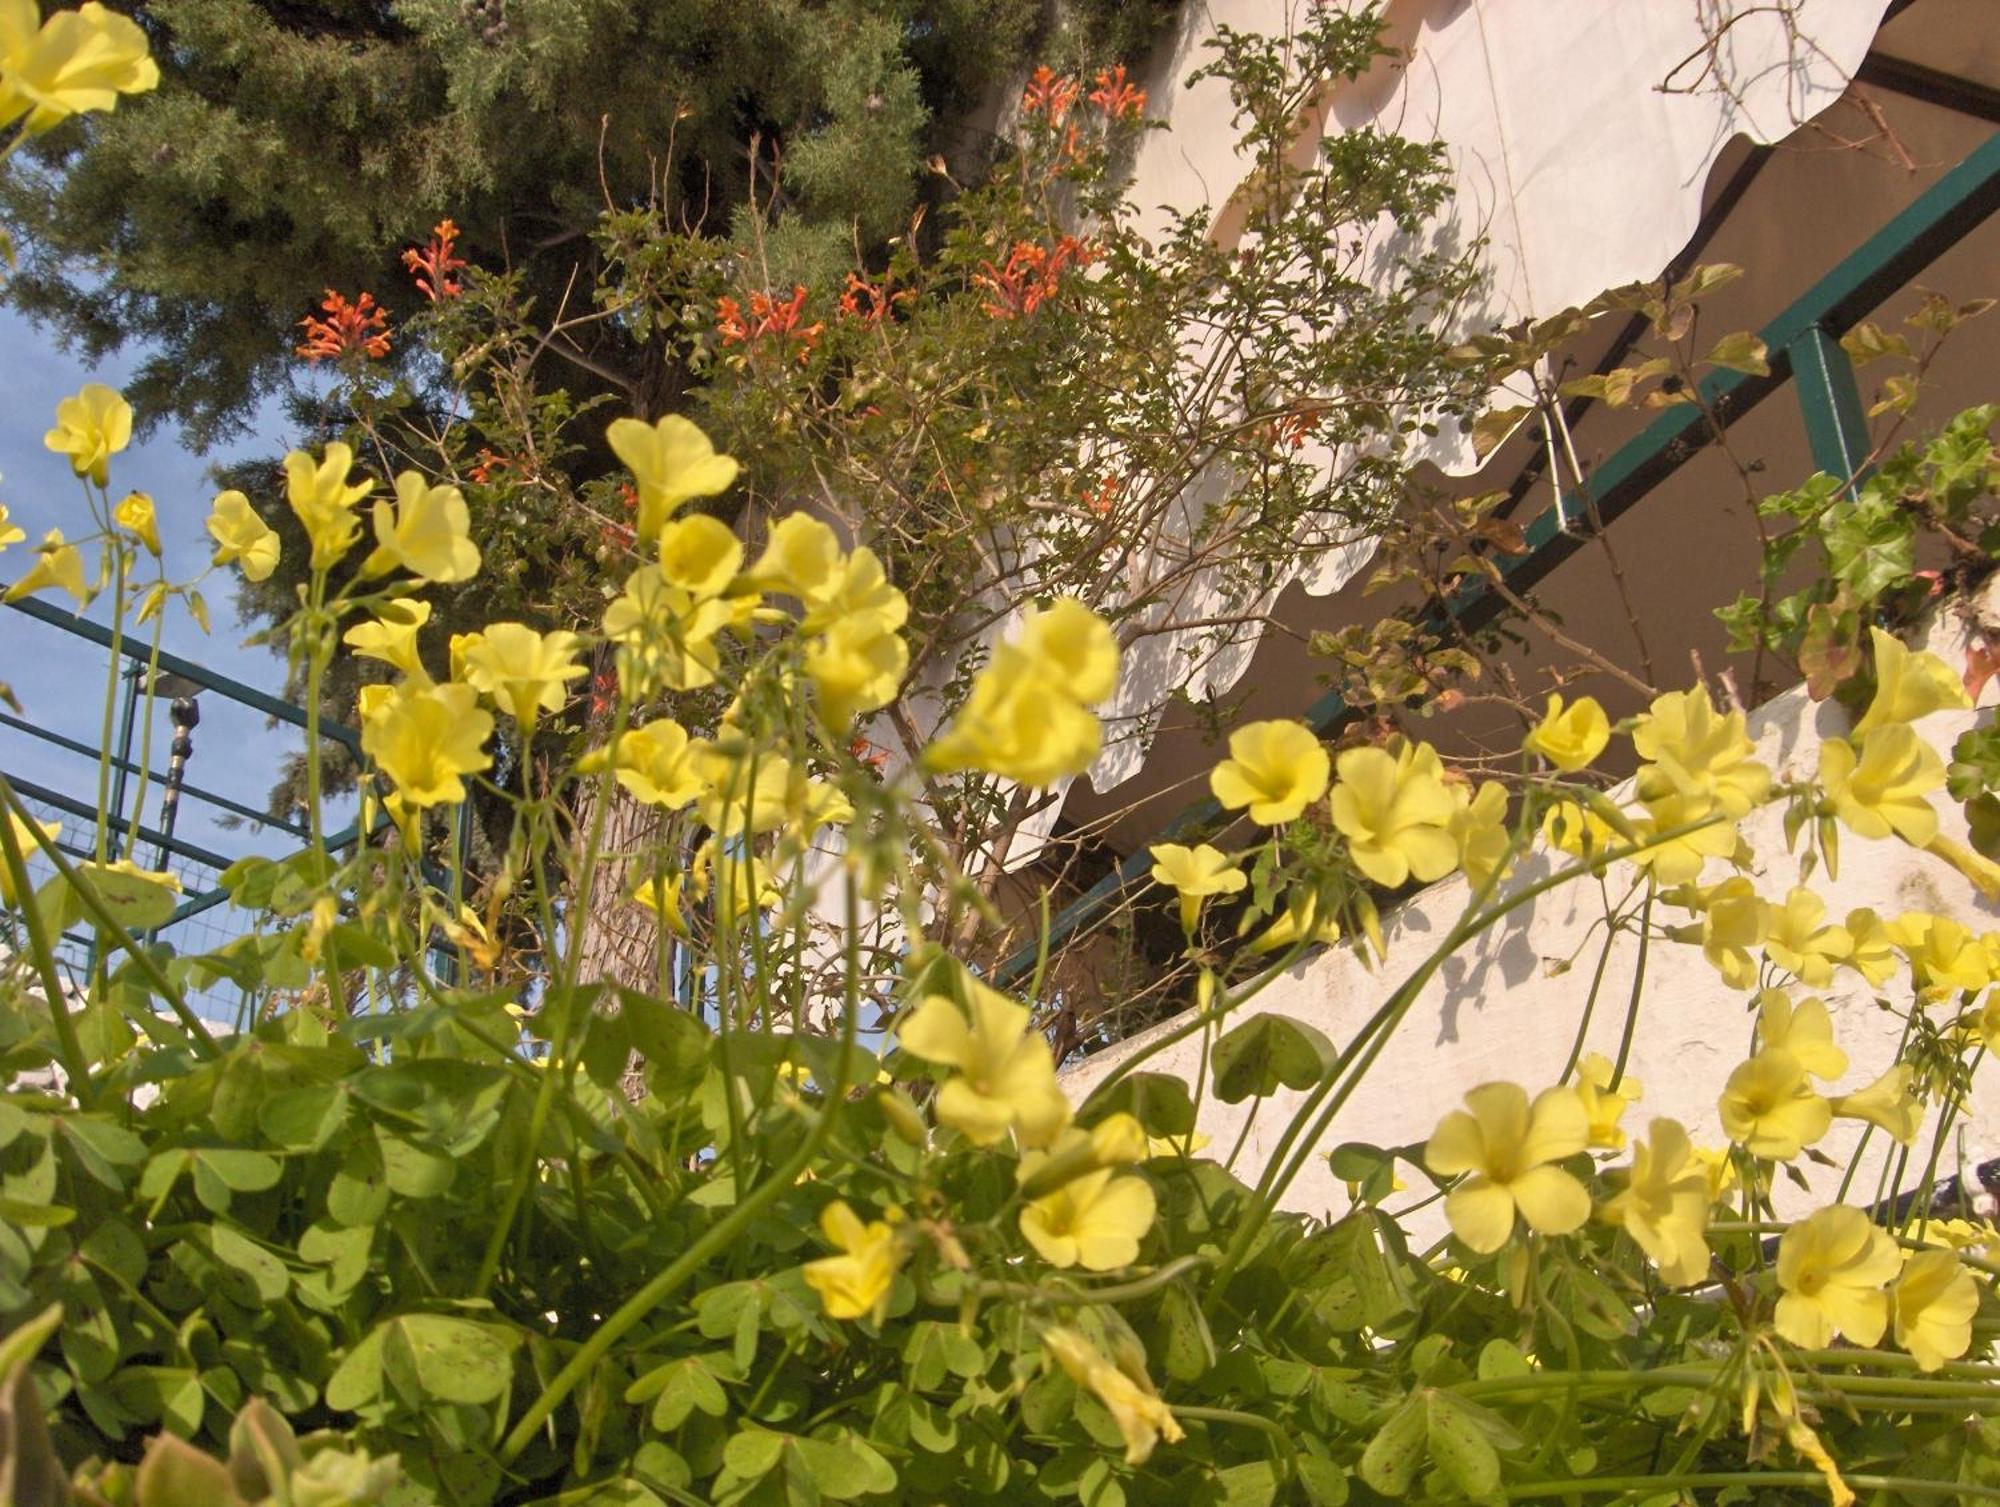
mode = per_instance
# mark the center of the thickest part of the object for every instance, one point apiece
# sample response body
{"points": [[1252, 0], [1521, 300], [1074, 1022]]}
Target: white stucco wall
{"points": [[1498, 1011]]}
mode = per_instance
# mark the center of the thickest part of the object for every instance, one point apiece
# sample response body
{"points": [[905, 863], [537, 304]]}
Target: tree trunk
{"points": [[619, 941]]}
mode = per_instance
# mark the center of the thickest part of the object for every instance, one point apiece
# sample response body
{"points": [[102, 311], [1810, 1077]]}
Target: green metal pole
{"points": [[1836, 425]]}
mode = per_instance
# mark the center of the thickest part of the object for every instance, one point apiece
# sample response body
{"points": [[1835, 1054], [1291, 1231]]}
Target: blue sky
{"points": [[59, 679]]}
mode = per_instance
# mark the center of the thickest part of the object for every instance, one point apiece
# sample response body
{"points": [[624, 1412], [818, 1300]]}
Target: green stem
{"points": [[75, 1064], [145, 742], [111, 696], [1638, 988]]}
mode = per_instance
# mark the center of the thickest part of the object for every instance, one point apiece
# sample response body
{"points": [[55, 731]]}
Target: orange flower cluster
{"points": [[1050, 93], [1118, 99], [433, 266], [767, 318], [1031, 275], [489, 465], [869, 302], [1101, 498], [348, 329]]}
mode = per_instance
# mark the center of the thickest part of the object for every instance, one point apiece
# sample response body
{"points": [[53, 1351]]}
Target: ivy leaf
{"points": [[1268, 1052], [1870, 546], [1982, 814], [1975, 763]]}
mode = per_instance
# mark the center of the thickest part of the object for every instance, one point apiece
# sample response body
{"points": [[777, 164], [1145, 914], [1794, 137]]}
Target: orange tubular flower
{"points": [[348, 329], [1118, 99], [1050, 93], [1032, 275], [432, 267]]}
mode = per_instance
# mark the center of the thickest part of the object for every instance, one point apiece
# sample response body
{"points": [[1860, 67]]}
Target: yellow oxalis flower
{"points": [[428, 533], [392, 637], [1479, 828], [1732, 922], [57, 563], [1888, 1103], [92, 426], [856, 666], [1125, 1390], [1603, 1105], [1570, 737], [857, 1283], [24, 839], [665, 637], [1798, 940], [1885, 788], [1276, 769], [1575, 829], [1680, 859], [657, 763], [1095, 1221], [801, 558], [1831, 1268], [1025, 720], [1195, 874], [700, 555], [323, 499], [525, 672], [1395, 812], [1987, 1021], [1718, 1165], [10, 531], [671, 461], [661, 894], [746, 789], [742, 882], [1301, 921], [1908, 685], [1074, 646], [1769, 1107], [76, 61], [1803, 1030], [135, 515], [1690, 749], [1006, 1078], [1933, 1303], [1509, 1149], [1944, 956], [1871, 950], [242, 537], [425, 737], [1664, 1204]]}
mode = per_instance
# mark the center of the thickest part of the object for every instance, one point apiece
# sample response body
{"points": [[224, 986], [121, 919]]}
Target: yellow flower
{"points": [[10, 531], [135, 515], [1831, 1267], [700, 555], [743, 881], [1732, 922], [1074, 646], [1871, 950], [76, 61], [801, 558], [1195, 874], [745, 788], [24, 839], [1886, 1102], [1908, 685], [1510, 1148], [1945, 957], [1603, 1105], [856, 666], [1803, 1030], [1175, 1145], [1933, 1303], [57, 563], [1095, 1221], [672, 461], [656, 763], [1693, 751], [1125, 1390], [323, 499], [1664, 1204], [1680, 859], [1276, 769], [1718, 1166], [665, 638], [525, 672], [1769, 1108], [428, 533], [1478, 827], [1006, 1078], [1021, 723], [92, 426], [661, 894], [425, 737], [240, 535], [1570, 738], [857, 1283], [1797, 939], [392, 637], [1396, 814], [1885, 789], [1987, 1021]]}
